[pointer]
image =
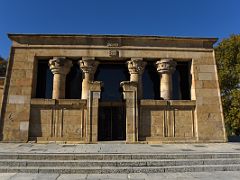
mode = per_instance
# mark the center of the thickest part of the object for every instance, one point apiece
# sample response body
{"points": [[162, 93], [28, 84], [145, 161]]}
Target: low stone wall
{"points": [[57, 120], [167, 121]]}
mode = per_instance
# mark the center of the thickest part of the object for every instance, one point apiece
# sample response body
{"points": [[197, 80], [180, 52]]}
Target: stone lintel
{"points": [[102, 40], [88, 58], [182, 103], [53, 102], [149, 102], [37, 101]]}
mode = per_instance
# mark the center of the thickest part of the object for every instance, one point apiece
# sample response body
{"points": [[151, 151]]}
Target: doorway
{"points": [[112, 123], [112, 118]]}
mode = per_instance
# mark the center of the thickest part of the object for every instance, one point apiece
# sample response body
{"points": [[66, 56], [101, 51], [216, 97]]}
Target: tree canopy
{"points": [[3, 66], [228, 63]]}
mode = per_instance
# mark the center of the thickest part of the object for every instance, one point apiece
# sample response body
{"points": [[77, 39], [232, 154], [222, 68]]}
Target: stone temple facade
{"points": [[94, 88]]}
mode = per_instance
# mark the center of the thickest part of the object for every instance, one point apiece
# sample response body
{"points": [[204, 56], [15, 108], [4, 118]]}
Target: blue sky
{"points": [[198, 18]]}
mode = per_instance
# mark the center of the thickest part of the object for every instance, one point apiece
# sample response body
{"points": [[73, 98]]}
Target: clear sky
{"points": [[200, 18]]}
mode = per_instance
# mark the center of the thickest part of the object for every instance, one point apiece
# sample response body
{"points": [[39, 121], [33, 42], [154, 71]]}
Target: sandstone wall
{"points": [[61, 120], [198, 120], [165, 121]]}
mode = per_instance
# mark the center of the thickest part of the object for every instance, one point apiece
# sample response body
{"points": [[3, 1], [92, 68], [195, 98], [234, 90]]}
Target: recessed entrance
{"points": [[112, 124], [112, 118]]}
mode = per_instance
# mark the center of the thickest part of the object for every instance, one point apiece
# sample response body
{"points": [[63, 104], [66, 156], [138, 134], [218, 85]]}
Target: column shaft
{"points": [[166, 86], [135, 77], [85, 85], [59, 86], [88, 65], [136, 67], [166, 67]]}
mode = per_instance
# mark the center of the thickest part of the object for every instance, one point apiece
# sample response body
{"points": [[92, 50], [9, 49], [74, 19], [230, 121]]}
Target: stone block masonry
{"points": [[51, 92]]}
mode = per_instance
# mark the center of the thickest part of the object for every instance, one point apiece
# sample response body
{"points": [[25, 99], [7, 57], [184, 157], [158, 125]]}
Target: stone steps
{"points": [[118, 163], [108, 170], [162, 155]]}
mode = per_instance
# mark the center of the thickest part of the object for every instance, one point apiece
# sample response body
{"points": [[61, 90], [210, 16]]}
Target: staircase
{"points": [[118, 163]]}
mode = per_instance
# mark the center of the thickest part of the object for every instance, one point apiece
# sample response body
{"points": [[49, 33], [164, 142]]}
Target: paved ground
{"points": [[121, 148], [140, 176], [117, 148]]}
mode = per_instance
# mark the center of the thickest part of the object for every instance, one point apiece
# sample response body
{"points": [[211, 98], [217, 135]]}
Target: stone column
{"points": [[88, 66], [136, 68], [166, 67], [60, 67], [130, 95], [92, 109]]}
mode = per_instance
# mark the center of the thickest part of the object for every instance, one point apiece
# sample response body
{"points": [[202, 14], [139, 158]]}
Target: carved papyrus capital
{"points": [[60, 65], [88, 65], [166, 66], [136, 65]]}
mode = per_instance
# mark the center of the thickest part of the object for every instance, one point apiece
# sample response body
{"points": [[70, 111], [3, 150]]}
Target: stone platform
{"points": [[118, 147], [216, 175], [119, 161]]}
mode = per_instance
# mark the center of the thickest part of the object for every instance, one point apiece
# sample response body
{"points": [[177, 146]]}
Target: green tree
{"points": [[3, 66], [228, 63]]}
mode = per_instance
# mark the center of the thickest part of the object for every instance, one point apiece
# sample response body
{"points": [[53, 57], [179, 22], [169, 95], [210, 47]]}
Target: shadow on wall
{"points": [[35, 127], [4, 65]]}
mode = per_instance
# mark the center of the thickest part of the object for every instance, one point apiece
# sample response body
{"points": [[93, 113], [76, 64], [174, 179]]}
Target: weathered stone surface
{"points": [[46, 119], [60, 67], [166, 68], [150, 121], [174, 120], [136, 68], [88, 66]]}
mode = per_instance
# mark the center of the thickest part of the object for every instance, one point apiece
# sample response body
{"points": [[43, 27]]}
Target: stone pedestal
{"points": [[165, 68], [130, 95], [60, 67], [88, 66], [136, 68], [92, 109]]}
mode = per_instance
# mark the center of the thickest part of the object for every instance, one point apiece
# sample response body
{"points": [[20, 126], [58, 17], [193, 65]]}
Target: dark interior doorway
{"points": [[74, 82], [112, 118], [112, 123], [44, 80], [151, 82], [181, 81]]}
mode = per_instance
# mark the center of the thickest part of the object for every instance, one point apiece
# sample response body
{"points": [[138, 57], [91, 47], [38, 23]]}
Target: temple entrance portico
{"points": [[86, 89]]}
